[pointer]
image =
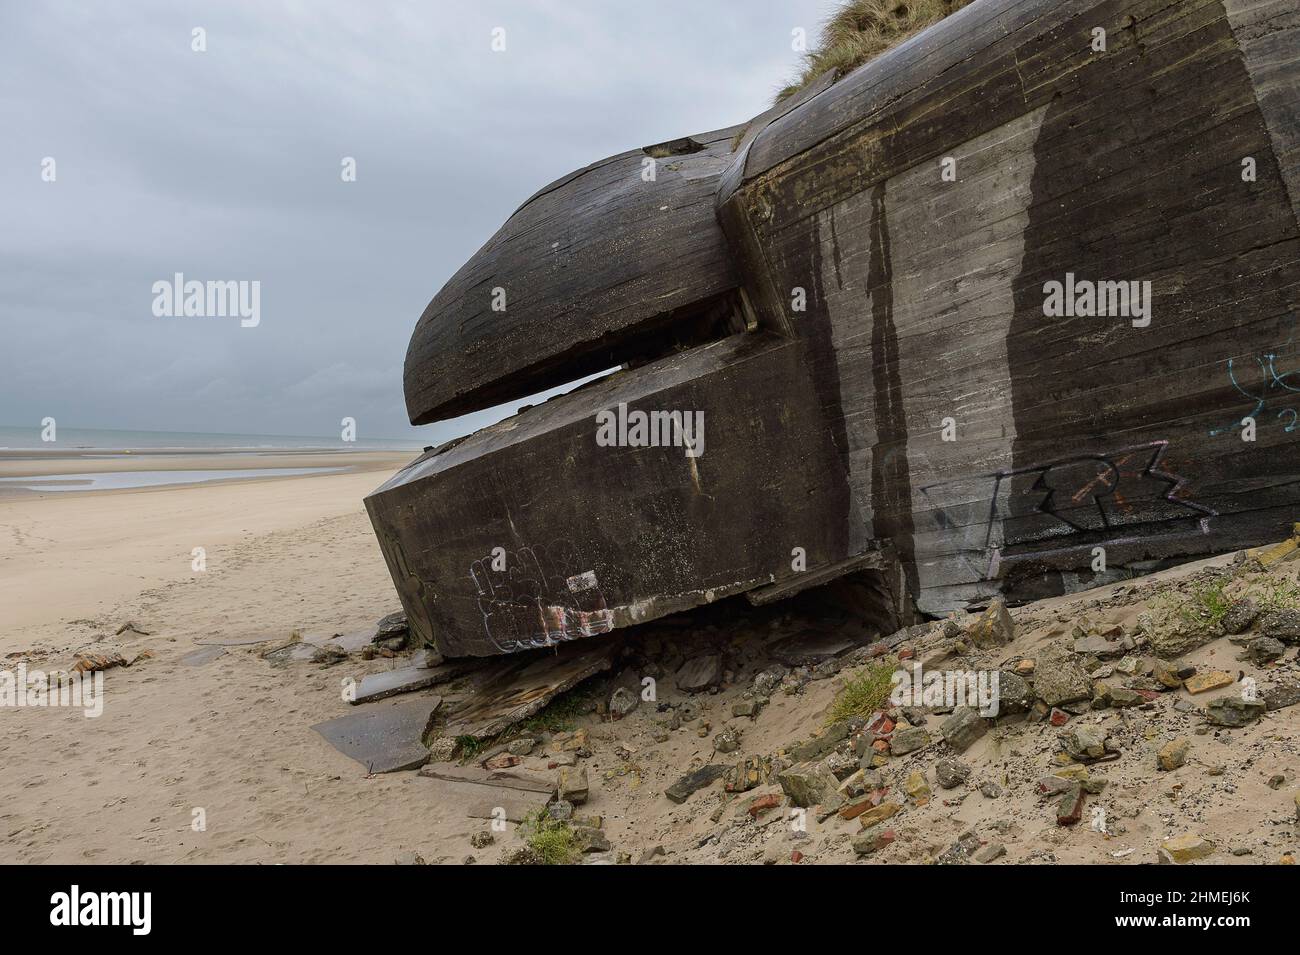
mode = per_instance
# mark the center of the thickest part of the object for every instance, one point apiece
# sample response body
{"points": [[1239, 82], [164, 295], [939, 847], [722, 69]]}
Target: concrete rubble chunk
{"points": [[810, 784], [878, 814], [1239, 616], [694, 781], [1069, 809], [1185, 848], [383, 737], [1280, 696], [1234, 712], [1283, 625], [1015, 693], [1084, 742], [951, 773], [1172, 755], [994, 628], [1263, 650], [1205, 682], [908, 739], [622, 702], [571, 784], [990, 853], [873, 840], [1058, 680], [963, 728], [699, 673]]}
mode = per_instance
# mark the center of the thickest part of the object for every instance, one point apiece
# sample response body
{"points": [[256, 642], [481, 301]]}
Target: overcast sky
{"points": [[226, 164]]}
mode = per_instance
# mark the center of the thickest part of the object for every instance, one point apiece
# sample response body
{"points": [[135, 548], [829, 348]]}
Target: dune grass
{"points": [[861, 30], [864, 693]]}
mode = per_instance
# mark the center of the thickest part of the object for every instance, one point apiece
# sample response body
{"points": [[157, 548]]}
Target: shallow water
{"points": [[115, 480]]}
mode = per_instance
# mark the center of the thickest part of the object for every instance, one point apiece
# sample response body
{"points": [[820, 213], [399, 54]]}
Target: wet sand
{"points": [[66, 555]]}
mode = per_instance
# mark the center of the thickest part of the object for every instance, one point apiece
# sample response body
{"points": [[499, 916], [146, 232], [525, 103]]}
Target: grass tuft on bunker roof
{"points": [[861, 30]]}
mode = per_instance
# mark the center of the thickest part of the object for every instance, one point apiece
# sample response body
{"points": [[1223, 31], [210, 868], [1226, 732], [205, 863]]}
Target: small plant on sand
{"points": [[861, 30], [550, 839], [864, 693], [1200, 606], [469, 746], [560, 715], [1276, 593]]}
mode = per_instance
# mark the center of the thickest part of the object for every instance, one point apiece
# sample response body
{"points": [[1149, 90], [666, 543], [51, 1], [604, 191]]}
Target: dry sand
{"points": [[231, 737]]}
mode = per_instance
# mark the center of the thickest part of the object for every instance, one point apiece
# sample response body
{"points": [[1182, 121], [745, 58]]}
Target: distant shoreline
{"points": [[63, 471], [71, 441]]}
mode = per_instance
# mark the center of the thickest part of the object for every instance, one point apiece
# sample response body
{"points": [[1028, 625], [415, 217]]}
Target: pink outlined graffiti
{"points": [[542, 597]]}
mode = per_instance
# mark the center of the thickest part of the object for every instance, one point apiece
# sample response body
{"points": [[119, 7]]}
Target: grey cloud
{"points": [[225, 165]]}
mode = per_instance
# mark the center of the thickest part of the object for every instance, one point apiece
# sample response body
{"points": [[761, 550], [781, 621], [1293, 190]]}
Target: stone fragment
{"points": [[769, 679], [908, 739], [1059, 680], [963, 728], [522, 746], [747, 774], [810, 784], [990, 852], [878, 814], [1283, 625], [916, 787], [622, 702], [951, 773], [1239, 616], [1213, 680], [1172, 755], [1084, 742], [1069, 810], [728, 741], [692, 782], [1166, 674], [1263, 650], [391, 625], [1015, 694], [1187, 847], [994, 627], [865, 843], [1284, 694], [1234, 712], [588, 839], [571, 784], [700, 673], [1098, 646]]}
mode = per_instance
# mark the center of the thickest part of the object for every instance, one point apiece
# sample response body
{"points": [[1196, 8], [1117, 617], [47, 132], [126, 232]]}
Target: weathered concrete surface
{"points": [[865, 328], [383, 737]]}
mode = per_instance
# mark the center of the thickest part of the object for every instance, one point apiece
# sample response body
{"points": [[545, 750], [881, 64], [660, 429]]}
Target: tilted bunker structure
{"points": [[1006, 303]]}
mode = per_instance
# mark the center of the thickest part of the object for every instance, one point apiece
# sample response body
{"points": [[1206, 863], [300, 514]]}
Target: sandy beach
{"points": [[231, 737], [228, 740]]}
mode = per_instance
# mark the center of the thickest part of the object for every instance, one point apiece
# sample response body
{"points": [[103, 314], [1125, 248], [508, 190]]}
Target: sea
{"points": [[95, 439]]}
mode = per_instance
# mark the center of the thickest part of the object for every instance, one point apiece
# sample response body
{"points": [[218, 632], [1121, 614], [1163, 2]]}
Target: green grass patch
{"points": [[1276, 593], [552, 840], [1201, 606], [470, 746], [560, 715], [865, 693]]}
